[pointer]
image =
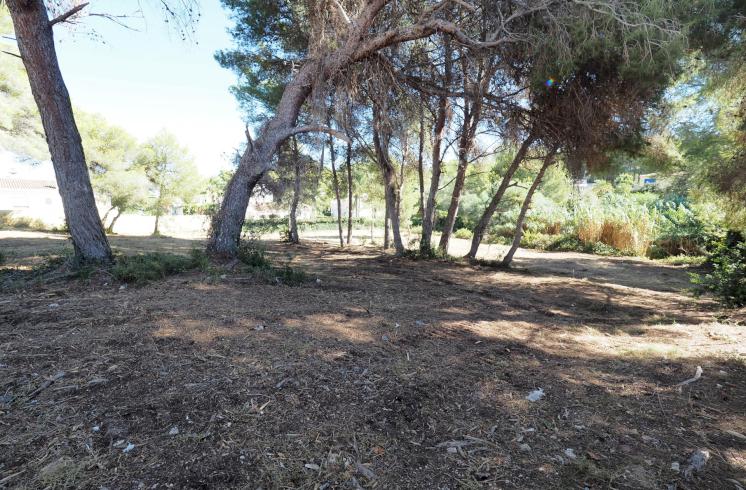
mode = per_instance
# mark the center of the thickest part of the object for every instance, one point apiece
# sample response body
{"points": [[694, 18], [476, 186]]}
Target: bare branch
{"points": [[68, 14], [342, 12], [317, 128], [12, 54]]}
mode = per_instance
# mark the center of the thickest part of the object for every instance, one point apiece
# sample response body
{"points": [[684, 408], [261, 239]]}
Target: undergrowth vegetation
{"points": [[253, 254], [143, 268], [727, 279]]}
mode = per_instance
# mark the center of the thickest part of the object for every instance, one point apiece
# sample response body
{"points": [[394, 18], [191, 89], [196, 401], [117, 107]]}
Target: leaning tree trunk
{"points": [[106, 215], [428, 218], [548, 160], [225, 231], [33, 31], [466, 141], [349, 192], [484, 221], [110, 228]]}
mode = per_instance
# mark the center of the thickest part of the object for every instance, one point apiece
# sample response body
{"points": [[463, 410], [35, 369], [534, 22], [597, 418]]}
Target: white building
{"points": [[28, 190]]}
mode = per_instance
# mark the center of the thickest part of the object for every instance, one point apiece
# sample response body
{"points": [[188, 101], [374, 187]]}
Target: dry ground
{"points": [[384, 373]]}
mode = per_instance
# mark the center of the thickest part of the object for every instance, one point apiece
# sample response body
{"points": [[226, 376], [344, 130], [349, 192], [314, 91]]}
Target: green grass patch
{"points": [[143, 268]]}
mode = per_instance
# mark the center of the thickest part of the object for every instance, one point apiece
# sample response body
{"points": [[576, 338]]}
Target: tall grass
{"points": [[614, 219]]}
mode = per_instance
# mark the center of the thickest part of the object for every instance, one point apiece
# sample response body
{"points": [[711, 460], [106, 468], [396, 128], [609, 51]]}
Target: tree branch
{"points": [[68, 14], [12, 54], [317, 128]]}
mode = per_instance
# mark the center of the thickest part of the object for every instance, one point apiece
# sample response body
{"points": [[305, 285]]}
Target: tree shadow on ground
{"points": [[387, 373]]}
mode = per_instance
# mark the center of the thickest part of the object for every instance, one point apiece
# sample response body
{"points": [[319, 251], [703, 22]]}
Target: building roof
{"points": [[9, 183]]}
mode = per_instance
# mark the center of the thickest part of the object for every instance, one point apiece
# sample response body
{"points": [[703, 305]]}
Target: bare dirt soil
{"points": [[383, 373]]}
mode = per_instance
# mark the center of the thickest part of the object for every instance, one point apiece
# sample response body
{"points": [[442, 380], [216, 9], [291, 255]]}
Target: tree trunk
{"points": [[106, 214], [381, 139], [33, 32], [386, 221], [110, 228], [492, 207], [420, 160], [428, 219], [157, 220], [225, 231], [548, 160], [333, 158], [294, 236], [468, 133], [349, 192]]}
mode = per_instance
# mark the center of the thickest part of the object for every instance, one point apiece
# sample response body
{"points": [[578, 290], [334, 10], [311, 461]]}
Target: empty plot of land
{"points": [[378, 373]]}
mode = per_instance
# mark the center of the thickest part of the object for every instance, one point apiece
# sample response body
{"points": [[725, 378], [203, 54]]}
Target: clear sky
{"points": [[149, 79]]}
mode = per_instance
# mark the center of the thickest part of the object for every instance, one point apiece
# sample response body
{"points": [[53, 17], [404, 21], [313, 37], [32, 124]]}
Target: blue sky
{"points": [[150, 79]]}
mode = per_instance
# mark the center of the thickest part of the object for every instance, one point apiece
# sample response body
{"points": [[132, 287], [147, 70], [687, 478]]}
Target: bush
{"points": [[682, 232], [727, 281], [140, 269], [463, 233], [290, 276], [253, 254], [22, 223], [2, 258]]}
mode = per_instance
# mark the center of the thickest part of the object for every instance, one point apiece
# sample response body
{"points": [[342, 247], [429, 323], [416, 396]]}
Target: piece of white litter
{"points": [[54, 305], [174, 431], [96, 428], [129, 448], [312, 466], [675, 466], [697, 375], [535, 395], [570, 453], [318, 281], [259, 328]]}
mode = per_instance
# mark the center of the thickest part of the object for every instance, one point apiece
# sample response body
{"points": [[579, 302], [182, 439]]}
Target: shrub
{"points": [[727, 281], [682, 232], [21, 223], [463, 233], [143, 268], [253, 254], [290, 276], [2, 258]]}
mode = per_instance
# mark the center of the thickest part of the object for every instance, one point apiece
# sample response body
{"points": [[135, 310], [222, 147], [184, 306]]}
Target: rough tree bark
{"points": [[33, 31], [294, 236], [548, 160], [440, 128], [349, 192], [484, 221]]}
